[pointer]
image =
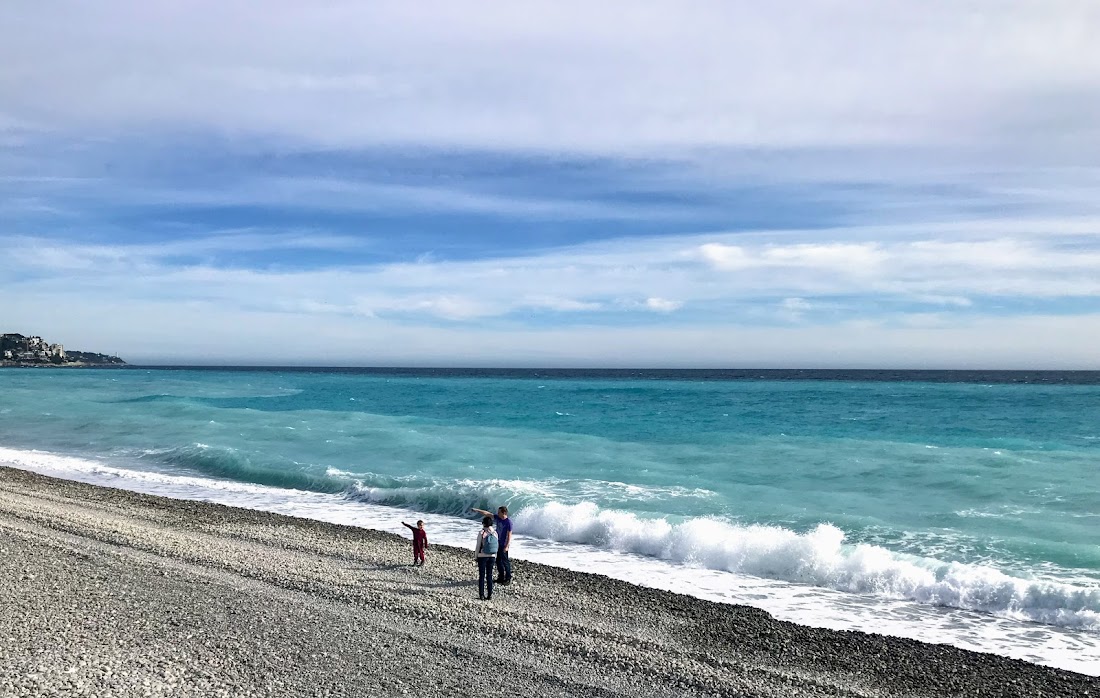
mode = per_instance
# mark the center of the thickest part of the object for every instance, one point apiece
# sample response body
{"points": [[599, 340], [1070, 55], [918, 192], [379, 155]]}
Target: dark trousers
{"points": [[504, 565], [418, 554], [485, 577]]}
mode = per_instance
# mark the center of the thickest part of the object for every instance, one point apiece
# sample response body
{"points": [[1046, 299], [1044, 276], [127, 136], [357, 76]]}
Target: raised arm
{"points": [[481, 511], [408, 526]]}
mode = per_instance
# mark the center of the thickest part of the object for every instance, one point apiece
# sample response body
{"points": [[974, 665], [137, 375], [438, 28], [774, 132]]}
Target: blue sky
{"points": [[859, 183]]}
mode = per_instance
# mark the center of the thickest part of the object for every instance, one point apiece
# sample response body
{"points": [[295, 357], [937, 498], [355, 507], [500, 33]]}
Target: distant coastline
{"points": [[856, 375], [21, 351]]}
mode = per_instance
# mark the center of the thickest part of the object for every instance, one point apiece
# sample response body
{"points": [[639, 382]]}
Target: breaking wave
{"points": [[819, 557]]}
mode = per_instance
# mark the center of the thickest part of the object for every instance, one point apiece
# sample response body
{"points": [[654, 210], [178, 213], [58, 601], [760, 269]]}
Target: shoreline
{"points": [[252, 584], [67, 364]]}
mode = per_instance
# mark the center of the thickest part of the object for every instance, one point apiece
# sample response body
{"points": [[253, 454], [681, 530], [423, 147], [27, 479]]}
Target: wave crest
{"points": [[819, 557], [234, 464]]}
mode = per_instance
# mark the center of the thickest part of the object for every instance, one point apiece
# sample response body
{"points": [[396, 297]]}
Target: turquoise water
{"points": [[976, 496]]}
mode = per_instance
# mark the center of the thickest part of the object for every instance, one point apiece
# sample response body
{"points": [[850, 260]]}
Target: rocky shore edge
{"points": [[112, 593], [67, 364]]}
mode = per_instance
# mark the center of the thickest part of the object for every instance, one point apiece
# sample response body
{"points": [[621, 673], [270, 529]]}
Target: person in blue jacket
{"points": [[504, 535]]}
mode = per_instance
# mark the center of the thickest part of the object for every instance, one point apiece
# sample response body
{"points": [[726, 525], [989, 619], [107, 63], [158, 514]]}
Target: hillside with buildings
{"points": [[18, 350]]}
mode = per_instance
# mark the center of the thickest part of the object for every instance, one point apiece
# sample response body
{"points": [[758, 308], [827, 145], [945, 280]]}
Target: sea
{"points": [[952, 507]]}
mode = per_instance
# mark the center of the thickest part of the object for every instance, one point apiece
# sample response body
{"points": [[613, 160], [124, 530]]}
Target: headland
{"points": [[32, 351]]}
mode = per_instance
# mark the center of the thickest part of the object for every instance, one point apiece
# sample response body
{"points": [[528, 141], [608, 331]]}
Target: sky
{"points": [[827, 183]]}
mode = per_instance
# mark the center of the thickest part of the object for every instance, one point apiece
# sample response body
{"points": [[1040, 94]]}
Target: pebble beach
{"points": [[112, 593]]}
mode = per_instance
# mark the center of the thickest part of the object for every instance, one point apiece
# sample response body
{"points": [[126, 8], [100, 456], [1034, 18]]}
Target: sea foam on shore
{"points": [[805, 578], [114, 592]]}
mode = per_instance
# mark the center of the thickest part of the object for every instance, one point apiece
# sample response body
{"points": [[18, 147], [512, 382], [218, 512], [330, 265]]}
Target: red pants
{"points": [[418, 553]]}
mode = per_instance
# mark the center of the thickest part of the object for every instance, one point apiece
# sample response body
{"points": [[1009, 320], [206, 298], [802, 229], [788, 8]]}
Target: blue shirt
{"points": [[504, 529]]}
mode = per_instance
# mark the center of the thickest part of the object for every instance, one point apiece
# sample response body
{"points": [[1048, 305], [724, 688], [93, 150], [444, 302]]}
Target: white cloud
{"points": [[796, 305], [957, 301], [46, 255], [664, 274], [726, 257], [614, 76], [446, 306], [841, 257], [559, 304], [846, 257], [663, 305], [926, 270]]}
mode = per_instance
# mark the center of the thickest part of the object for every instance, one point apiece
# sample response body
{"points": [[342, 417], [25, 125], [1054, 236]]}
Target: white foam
{"points": [[811, 578], [821, 558]]}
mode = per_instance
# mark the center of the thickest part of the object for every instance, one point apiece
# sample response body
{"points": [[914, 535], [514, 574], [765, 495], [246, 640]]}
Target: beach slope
{"points": [[111, 593]]}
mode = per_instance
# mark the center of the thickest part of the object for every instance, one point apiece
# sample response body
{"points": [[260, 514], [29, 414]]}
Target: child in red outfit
{"points": [[420, 541]]}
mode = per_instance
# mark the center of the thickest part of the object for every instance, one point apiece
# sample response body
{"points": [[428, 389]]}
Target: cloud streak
{"points": [[717, 183], [666, 274], [567, 75]]}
